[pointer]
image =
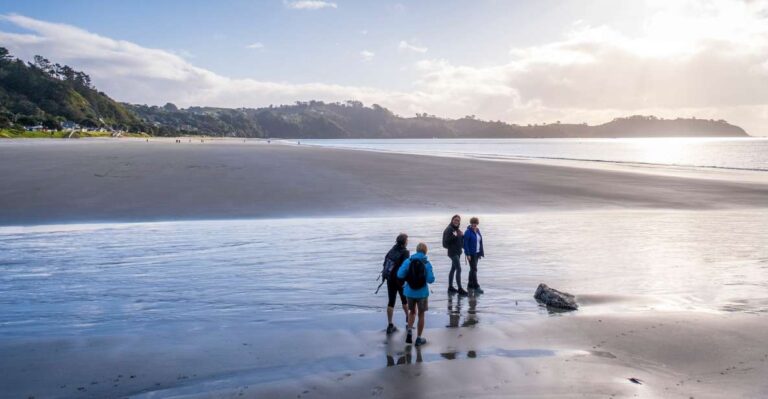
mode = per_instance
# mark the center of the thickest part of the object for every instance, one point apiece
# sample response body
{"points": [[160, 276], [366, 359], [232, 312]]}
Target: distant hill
{"points": [[43, 93], [319, 120]]}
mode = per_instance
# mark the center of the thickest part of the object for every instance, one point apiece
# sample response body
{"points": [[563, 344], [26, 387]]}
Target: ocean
{"points": [[740, 154]]}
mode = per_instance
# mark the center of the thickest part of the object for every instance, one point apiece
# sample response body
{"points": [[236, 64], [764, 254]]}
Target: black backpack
{"points": [[417, 274], [387, 267]]}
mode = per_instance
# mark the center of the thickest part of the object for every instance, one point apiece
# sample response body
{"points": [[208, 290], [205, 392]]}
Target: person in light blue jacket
{"points": [[417, 273]]}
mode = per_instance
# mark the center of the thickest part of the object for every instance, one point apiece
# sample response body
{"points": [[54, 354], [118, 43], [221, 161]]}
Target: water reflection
{"points": [[405, 357], [141, 276], [455, 304]]}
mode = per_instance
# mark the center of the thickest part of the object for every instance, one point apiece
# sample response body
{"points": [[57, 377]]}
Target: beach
{"points": [[245, 269], [132, 180]]}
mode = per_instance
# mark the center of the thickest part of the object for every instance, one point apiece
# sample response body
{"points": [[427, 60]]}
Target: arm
{"points": [[481, 250], [403, 271], [467, 240], [430, 274], [446, 237]]}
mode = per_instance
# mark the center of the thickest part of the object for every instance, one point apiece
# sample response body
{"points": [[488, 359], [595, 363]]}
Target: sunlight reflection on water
{"points": [[95, 278]]}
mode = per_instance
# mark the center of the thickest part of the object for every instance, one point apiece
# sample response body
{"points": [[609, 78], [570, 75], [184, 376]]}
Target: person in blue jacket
{"points": [[473, 249], [417, 273]]}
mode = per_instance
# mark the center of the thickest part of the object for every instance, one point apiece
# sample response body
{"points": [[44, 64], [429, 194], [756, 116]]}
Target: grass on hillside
{"points": [[23, 134]]}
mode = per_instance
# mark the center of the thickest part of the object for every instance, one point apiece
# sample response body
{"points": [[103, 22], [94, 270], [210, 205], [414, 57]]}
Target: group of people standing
{"points": [[409, 275]]}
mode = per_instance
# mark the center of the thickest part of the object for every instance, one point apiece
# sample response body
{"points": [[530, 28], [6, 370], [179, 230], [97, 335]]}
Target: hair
{"points": [[422, 248], [401, 239], [474, 220], [454, 217]]}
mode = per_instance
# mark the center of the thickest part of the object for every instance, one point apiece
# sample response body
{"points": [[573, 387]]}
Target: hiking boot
{"points": [[391, 328], [409, 337], [452, 290], [420, 341], [462, 292]]}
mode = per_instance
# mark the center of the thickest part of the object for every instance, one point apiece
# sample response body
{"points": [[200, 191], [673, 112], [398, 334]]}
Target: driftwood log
{"points": [[554, 298]]}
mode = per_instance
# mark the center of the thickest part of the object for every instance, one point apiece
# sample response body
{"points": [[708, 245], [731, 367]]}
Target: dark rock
{"points": [[554, 298]]}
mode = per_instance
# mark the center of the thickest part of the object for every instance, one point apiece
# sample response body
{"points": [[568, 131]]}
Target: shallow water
{"points": [[749, 154], [101, 279]]}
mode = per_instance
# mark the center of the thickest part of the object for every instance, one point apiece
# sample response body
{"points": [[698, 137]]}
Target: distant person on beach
{"points": [[392, 262], [473, 249], [453, 241], [417, 273]]}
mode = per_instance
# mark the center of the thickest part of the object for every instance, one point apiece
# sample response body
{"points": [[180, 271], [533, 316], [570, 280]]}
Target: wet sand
{"points": [[48, 182], [585, 354], [670, 355]]}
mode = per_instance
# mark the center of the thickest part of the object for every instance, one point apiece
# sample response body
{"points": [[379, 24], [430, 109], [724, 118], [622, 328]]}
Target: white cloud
{"points": [[367, 55], [309, 4], [706, 58], [136, 74], [405, 46], [183, 53], [694, 58], [256, 46]]}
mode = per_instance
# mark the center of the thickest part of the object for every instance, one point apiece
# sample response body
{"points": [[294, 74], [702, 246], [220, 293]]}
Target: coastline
{"points": [[133, 180], [594, 352], [744, 175]]}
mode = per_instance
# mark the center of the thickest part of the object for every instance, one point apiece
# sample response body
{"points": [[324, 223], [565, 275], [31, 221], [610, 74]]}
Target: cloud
{"points": [[367, 55], [257, 46], [137, 74], [309, 4], [706, 58], [693, 58], [405, 46]]}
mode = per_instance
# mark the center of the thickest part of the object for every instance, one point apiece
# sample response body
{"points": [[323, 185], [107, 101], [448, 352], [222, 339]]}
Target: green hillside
{"points": [[47, 94]]}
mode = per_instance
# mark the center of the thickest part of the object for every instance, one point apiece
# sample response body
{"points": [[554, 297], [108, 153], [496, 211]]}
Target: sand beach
{"points": [[164, 323]]}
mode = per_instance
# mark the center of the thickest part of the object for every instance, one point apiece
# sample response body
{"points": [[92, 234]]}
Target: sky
{"points": [[536, 61]]}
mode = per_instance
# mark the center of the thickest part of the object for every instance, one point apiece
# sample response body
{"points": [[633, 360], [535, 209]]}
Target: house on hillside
{"points": [[36, 128], [70, 126]]}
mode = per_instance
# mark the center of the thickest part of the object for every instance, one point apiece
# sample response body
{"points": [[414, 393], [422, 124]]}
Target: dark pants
{"points": [[473, 273], [455, 270], [394, 287]]}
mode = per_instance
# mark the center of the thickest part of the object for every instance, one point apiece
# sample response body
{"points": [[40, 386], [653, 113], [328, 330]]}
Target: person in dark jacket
{"points": [[473, 249], [453, 241], [397, 255]]}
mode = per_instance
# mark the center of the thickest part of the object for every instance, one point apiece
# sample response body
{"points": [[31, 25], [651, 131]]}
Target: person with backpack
{"points": [[392, 262], [417, 273], [473, 249], [453, 241]]}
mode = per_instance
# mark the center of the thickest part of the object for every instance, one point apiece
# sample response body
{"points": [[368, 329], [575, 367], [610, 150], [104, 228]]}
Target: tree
{"points": [[4, 54], [43, 64]]}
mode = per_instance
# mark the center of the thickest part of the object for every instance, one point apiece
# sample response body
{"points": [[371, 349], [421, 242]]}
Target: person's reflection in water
{"points": [[454, 311], [401, 359], [405, 357], [471, 318]]}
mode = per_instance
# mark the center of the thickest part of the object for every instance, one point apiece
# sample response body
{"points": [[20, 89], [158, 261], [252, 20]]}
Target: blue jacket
{"points": [[422, 292], [470, 243]]}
